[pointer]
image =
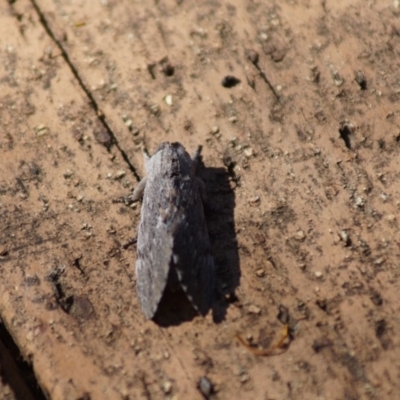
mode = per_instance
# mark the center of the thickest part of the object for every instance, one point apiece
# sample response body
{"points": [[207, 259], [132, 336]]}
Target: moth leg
{"points": [[196, 156], [136, 195], [139, 190]]}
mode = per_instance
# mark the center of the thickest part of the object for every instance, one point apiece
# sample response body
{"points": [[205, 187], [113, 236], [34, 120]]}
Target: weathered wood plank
{"points": [[54, 180], [313, 217]]}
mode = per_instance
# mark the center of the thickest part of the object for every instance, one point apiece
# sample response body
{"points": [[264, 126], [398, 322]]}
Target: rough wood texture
{"points": [[302, 156]]}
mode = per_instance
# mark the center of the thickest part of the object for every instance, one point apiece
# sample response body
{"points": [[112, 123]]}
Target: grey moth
{"points": [[173, 245]]}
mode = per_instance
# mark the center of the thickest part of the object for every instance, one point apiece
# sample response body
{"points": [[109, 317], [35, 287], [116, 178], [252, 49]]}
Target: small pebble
{"points": [[391, 218], [155, 109], [338, 80], [167, 387], [300, 235], [383, 196], [260, 273], [253, 56], [344, 236], [253, 309], [168, 100], [254, 200], [129, 123], [215, 129], [205, 386], [120, 174], [379, 261], [248, 152], [67, 174], [135, 131], [3, 251], [41, 130], [360, 202], [361, 80]]}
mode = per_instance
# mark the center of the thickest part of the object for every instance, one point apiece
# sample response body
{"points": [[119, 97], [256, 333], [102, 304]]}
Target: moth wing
{"points": [[192, 257], [199, 283], [154, 250]]}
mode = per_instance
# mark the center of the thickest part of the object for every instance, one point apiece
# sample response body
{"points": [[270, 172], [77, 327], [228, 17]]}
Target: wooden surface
{"points": [[301, 160]]}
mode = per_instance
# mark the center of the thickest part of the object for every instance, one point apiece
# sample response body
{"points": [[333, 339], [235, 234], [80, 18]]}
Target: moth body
{"points": [[172, 236]]}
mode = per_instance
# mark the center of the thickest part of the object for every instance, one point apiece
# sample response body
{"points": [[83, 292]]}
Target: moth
{"points": [[173, 245]]}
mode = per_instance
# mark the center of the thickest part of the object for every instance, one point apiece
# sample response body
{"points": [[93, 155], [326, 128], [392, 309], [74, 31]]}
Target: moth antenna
{"points": [[146, 157]]}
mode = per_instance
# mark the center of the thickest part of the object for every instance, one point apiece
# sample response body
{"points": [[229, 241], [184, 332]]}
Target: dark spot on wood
{"points": [[322, 304], [380, 328], [230, 81], [376, 298], [81, 308], [31, 281], [316, 74], [167, 68], [283, 314], [253, 56], [361, 80], [301, 135], [150, 70], [345, 132], [321, 343], [77, 264], [103, 136]]}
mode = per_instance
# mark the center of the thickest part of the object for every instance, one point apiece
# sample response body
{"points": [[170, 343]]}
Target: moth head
{"points": [[173, 154]]}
